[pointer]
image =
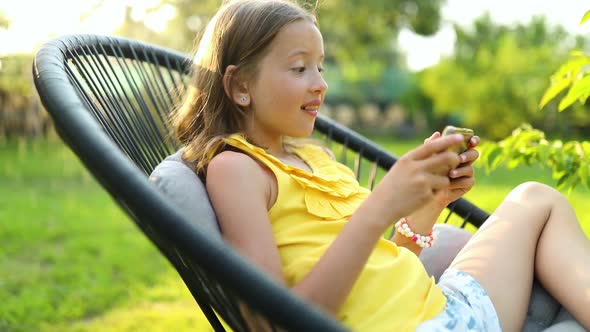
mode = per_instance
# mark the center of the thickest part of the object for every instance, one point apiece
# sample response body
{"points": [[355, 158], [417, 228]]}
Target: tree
{"points": [[363, 43], [4, 21], [569, 161], [495, 78], [573, 74], [367, 37], [359, 48], [15, 79]]}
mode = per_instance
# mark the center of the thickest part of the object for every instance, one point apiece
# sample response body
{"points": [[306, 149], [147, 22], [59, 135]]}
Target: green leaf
{"points": [[583, 173], [493, 156], [562, 181], [553, 91], [565, 75], [578, 89], [486, 149], [585, 18]]}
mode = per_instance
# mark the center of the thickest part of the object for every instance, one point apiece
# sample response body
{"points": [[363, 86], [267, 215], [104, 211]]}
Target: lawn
{"points": [[70, 260]]}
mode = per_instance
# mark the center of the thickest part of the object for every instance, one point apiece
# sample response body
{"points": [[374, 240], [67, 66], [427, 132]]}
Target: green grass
{"points": [[70, 260]]}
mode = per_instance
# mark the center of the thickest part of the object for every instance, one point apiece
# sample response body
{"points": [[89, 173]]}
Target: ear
{"points": [[235, 88]]}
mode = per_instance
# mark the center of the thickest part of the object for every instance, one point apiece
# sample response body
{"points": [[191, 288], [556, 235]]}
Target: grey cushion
{"points": [[449, 242], [547, 315], [569, 325], [180, 183]]}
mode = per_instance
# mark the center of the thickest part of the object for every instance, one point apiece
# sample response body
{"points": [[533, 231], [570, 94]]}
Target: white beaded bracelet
{"points": [[424, 241]]}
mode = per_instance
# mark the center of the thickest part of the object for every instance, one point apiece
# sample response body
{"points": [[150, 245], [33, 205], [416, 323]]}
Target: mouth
{"points": [[312, 107], [313, 111]]}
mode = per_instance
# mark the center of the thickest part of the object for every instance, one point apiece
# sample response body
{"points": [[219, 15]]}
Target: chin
{"points": [[302, 131], [305, 133]]}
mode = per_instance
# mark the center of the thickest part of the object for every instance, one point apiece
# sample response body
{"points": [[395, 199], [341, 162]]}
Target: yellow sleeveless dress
{"points": [[393, 293]]}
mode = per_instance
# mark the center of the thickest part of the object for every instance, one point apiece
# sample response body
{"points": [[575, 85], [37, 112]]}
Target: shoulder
{"points": [[232, 164], [237, 171], [232, 159]]}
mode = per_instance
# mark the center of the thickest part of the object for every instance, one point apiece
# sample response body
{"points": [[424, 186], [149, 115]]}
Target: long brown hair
{"points": [[239, 34]]}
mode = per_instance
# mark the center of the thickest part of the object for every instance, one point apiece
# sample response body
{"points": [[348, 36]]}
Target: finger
{"points": [[464, 183], [464, 171], [435, 146], [441, 163], [473, 142], [469, 156], [438, 182], [434, 135]]}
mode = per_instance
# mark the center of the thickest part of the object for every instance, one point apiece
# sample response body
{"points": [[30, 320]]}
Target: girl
{"points": [[311, 226]]}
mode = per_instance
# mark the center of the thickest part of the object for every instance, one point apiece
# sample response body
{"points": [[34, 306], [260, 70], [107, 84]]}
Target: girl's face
{"points": [[289, 88]]}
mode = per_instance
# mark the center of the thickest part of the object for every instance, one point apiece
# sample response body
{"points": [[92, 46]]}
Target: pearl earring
{"points": [[243, 99]]}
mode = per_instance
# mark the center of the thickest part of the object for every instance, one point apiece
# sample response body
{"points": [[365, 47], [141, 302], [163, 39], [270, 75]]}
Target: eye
{"points": [[321, 69], [299, 69]]}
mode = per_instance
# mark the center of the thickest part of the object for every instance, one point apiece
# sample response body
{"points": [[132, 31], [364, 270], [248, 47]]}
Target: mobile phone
{"points": [[467, 134]]}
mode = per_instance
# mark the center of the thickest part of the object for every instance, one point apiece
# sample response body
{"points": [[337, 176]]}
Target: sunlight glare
{"points": [[31, 24], [158, 20], [30, 27]]}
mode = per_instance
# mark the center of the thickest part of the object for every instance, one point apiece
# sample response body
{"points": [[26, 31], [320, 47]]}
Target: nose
{"points": [[319, 84]]}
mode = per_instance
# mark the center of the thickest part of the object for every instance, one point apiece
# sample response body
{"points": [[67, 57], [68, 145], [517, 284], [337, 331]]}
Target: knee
{"points": [[537, 193]]}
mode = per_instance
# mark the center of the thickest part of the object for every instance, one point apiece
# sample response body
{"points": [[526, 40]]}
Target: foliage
{"points": [[569, 161], [497, 73], [182, 30], [15, 75], [360, 53], [573, 74], [352, 41], [4, 21], [362, 44], [382, 89], [4, 24], [359, 48]]}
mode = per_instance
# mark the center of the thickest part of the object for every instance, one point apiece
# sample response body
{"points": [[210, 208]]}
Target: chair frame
{"points": [[122, 165]]}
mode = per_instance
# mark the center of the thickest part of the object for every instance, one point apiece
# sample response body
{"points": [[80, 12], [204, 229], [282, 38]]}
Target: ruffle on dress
{"points": [[331, 191]]}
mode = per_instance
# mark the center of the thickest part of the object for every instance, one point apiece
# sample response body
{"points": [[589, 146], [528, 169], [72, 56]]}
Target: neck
{"points": [[273, 144], [269, 140]]}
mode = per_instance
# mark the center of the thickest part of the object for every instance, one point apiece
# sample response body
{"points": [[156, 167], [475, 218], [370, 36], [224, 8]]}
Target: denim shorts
{"points": [[468, 307]]}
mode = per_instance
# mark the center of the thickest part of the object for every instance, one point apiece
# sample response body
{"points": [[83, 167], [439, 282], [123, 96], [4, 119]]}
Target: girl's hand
{"points": [[462, 178], [415, 179]]}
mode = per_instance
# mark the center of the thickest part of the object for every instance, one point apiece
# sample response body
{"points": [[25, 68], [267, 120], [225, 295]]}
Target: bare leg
{"points": [[534, 230]]}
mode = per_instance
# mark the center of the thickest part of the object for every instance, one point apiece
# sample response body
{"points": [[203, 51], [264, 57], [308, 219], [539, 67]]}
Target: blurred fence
{"points": [[21, 113], [392, 120], [23, 117]]}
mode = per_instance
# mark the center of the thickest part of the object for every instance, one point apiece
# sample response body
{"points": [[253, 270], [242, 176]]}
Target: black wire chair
{"points": [[109, 98]]}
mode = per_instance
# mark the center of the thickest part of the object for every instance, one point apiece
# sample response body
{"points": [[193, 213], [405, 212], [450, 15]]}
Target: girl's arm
{"points": [[240, 190], [421, 222]]}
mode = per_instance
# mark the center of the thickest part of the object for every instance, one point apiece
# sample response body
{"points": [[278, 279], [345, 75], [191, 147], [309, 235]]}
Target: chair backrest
{"points": [[109, 98]]}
